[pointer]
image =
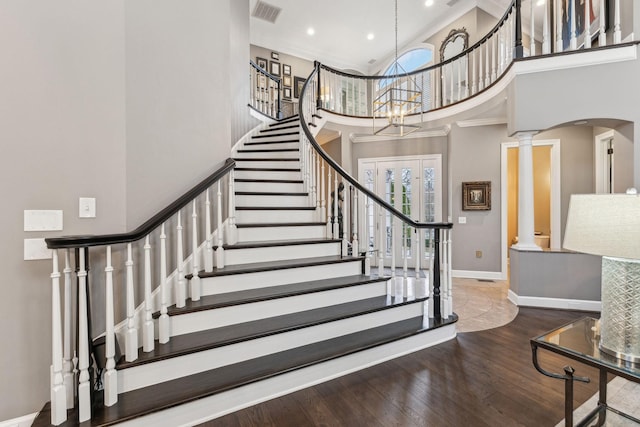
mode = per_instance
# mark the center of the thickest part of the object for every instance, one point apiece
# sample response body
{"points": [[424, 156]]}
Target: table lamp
{"points": [[609, 225]]}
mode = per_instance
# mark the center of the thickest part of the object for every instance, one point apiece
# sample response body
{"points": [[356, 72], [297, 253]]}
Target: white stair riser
{"points": [[280, 253], [203, 320], [269, 200], [263, 279], [276, 187], [280, 130], [271, 154], [277, 216], [178, 367], [265, 234], [262, 174], [270, 164], [221, 404], [265, 145]]}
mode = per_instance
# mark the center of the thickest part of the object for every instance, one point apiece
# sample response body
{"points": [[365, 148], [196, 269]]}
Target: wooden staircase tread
{"points": [[276, 265], [275, 208], [281, 224], [274, 243], [227, 335], [154, 398], [273, 181]]}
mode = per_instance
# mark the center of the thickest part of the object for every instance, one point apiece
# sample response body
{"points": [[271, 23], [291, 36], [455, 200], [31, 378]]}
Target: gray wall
{"points": [[127, 102]]}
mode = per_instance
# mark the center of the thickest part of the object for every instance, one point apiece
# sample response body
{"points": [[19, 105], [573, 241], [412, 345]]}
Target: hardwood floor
{"points": [[483, 378]]}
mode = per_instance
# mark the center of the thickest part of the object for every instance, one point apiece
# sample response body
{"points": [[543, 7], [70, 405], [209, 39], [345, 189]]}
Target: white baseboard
{"points": [[224, 403], [561, 303], [487, 275], [24, 421]]}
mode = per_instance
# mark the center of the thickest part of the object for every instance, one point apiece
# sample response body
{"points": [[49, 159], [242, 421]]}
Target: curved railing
{"points": [[393, 226], [152, 260], [264, 92]]}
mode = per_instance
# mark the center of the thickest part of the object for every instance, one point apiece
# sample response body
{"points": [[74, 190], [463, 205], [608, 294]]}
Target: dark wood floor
{"points": [[481, 378]]}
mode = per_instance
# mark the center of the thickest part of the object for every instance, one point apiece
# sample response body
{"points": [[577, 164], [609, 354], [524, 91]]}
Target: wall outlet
{"points": [[462, 220], [478, 254]]}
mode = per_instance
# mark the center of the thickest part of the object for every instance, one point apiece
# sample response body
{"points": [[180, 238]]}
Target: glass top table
{"points": [[580, 340]]}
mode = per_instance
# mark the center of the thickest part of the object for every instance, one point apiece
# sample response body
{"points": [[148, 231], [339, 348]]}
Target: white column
{"points": [[532, 44], [84, 386], [526, 239], [587, 24], [546, 45], [67, 365], [58, 392], [163, 322], [110, 374], [131, 340], [602, 38], [147, 329], [617, 33], [573, 40]]}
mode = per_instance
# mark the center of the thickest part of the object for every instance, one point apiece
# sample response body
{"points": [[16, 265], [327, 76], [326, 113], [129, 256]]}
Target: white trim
{"points": [[482, 122], [557, 303], [247, 136], [24, 421], [218, 405], [600, 158], [470, 274], [556, 196], [362, 137]]}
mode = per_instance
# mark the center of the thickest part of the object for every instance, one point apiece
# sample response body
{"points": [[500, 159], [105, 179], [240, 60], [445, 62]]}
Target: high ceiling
{"points": [[342, 26]]}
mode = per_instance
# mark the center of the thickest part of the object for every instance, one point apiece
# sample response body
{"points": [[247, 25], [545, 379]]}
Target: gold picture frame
{"points": [[476, 196]]}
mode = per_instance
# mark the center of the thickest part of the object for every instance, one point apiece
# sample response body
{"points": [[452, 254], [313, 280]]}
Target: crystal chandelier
{"points": [[401, 97]]}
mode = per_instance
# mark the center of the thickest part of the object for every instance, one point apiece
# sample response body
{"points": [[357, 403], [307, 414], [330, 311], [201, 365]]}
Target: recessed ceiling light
{"points": [[370, 36], [428, 3], [311, 31]]}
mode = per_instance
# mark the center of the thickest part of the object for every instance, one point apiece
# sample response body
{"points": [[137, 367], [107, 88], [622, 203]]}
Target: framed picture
{"points": [[274, 68], [297, 86], [275, 55], [593, 15], [286, 93], [476, 196], [286, 81], [286, 70], [261, 62]]}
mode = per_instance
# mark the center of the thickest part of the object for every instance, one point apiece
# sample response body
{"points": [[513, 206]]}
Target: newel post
{"points": [[519, 50], [279, 101], [316, 64], [437, 312]]}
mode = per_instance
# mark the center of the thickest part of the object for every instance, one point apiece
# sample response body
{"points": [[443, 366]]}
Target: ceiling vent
{"points": [[266, 12]]}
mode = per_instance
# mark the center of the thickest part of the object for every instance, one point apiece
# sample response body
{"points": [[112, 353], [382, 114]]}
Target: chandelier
{"points": [[401, 96]]}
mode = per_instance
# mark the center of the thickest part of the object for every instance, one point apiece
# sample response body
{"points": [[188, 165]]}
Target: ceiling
{"points": [[341, 28]]}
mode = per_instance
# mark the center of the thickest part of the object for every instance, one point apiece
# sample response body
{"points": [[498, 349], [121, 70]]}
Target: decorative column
{"points": [[526, 239]]}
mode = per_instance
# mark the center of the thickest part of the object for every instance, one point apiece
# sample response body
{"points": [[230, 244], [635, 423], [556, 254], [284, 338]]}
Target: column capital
{"points": [[525, 135]]}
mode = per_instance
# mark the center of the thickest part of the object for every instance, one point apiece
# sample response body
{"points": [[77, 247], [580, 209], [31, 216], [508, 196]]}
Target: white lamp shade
{"points": [[604, 224]]}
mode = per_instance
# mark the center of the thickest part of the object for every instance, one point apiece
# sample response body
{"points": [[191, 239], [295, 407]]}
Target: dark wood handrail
{"points": [[265, 72], [149, 225], [348, 177]]}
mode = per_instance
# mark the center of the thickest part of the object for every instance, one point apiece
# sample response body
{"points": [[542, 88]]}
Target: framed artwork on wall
{"points": [[275, 55], [298, 82], [286, 81], [476, 196], [261, 62], [286, 69], [274, 68], [286, 93]]}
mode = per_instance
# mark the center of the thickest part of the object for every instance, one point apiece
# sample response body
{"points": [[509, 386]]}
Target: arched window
{"points": [[409, 61]]}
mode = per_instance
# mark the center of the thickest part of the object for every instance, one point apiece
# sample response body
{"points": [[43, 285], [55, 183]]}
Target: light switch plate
{"points": [[36, 249], [462, 220], [42, 220], [87, 207]]}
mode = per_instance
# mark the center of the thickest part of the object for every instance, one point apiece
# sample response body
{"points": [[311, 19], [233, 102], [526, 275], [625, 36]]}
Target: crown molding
{"points": [[432, 133], [482, 122]]}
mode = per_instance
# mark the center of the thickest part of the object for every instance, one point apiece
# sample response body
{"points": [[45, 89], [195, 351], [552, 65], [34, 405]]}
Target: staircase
{"points": [[289, 309]]}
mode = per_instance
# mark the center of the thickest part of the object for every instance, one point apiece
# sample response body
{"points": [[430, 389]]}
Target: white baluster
{"points": [[393, 247], [532, 45], [163, 322], [336, 201], [313, 167], [480, 69], [67, 365], [546, 45], [232, 233], [418, 232], [459, 67], [587, 24], [466, 76], [602, 38], [494, 49], [449, 281], [573, 37], [131, 337], [147, 329], [180, 287], [195, 264], [317, 194], [487, 75], [84, 387], [451, 78], [345, 219], [329, 207], [617, 33], [220, 248], [558, 17], [474, 86], [208, 257], [323, 198], [58, 391], [110, 375], [355, 246], [405, 263]]}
